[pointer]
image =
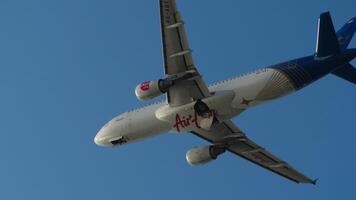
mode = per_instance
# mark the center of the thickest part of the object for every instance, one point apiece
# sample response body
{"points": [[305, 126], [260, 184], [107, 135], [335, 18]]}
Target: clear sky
{"points": [[69, 66]]}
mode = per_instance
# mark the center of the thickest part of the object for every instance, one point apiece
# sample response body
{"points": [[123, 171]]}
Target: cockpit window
{"points": [[116, 119]]}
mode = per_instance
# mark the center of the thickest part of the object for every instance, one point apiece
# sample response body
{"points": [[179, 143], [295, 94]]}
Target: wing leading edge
{"points": [[236, 142], [177, 57]]}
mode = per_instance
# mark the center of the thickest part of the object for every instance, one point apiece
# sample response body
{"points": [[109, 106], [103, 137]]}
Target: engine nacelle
{"points": [[202, 155], [152, 89]]}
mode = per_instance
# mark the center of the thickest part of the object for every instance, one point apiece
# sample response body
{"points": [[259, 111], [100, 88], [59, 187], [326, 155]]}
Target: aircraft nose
{"points": [[98, 141], [101, 140]]}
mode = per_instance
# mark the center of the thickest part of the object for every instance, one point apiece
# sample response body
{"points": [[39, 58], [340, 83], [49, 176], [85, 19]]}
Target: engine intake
{"points": [[152, 89], [203, 155]]}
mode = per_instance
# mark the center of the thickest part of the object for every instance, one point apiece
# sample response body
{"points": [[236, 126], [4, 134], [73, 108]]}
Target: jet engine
{"points": [[152, 89], [203, 155]]}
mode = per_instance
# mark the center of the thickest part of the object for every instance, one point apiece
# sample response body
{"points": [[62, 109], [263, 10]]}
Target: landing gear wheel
{"points": [[202, 109]]}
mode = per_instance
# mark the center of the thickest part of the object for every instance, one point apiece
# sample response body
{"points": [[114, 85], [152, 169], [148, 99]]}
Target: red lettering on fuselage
{"points": [[186, 121]]}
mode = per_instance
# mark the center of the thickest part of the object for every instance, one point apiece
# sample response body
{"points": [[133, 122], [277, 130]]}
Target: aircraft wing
{"points": [[177, 57], [227, 134]]}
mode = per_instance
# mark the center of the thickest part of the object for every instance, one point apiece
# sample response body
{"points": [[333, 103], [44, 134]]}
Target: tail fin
{"points": [[347, 72], [327, 43], [330, 43], [345, 34]]}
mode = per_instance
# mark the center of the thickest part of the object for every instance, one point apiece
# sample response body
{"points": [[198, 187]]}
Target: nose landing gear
{"points": [[118, 141]]}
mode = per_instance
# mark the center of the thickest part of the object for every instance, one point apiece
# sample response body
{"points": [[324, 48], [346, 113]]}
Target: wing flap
{"points": [[236, 141], [176, 50], [254, 153], [177, 57]]}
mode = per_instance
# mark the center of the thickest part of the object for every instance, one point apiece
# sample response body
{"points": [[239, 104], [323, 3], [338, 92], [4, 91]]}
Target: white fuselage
{"points": [[229, 99]]}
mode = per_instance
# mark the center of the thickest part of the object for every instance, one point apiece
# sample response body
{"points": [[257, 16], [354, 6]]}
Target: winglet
{"points": [[315, 181]]}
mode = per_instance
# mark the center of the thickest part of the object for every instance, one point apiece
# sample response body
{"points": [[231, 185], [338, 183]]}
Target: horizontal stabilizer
{"points": [[347, 72], [345, 34], [327, 43]]}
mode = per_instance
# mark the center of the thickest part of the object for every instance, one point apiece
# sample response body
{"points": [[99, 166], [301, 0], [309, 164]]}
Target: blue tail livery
{"points": [[345, 34], [331, 56]]}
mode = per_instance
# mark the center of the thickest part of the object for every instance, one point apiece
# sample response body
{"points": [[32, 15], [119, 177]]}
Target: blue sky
{"points": [[67, 67]]}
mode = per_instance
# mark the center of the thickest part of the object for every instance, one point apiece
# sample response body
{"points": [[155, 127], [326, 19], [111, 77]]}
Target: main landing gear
{"points": [[202, 109], [206, 116]]}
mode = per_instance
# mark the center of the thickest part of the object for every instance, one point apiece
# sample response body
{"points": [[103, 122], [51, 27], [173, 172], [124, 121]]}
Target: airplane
{"points": [[207, 111]]}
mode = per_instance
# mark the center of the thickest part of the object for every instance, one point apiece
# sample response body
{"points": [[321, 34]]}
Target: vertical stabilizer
{"points": [[327, 43]]}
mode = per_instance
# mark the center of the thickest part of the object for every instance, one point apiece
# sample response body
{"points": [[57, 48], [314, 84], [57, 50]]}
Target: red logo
{"points": [[184, 122], [145, 86]]}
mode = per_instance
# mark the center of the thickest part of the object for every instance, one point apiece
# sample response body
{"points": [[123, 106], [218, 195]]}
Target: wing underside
{"points": [[237, 143], [177, 57]]}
